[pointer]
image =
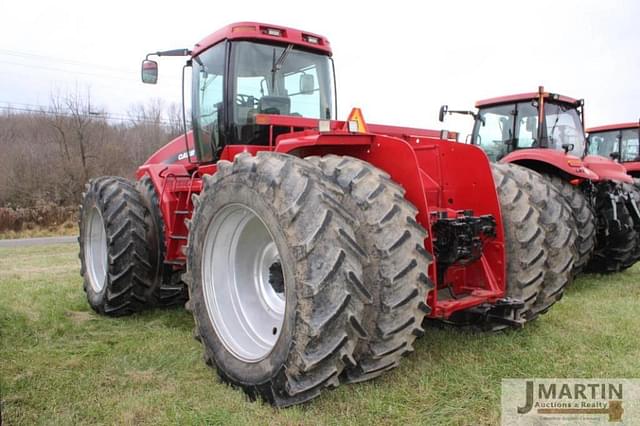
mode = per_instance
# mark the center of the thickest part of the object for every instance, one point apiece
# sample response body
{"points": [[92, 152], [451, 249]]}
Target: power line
{"points": [[70, 71], [106, 116], [74, 62]]}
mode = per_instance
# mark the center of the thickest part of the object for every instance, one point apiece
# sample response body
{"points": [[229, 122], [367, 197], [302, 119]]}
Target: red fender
{"points": [[607, 169], [632, 168], [438, 176], [541, 159]]}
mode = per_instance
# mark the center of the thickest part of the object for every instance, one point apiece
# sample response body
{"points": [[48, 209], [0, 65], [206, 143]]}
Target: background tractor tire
{"points": [[585, 220], [169, 290], [524, 234], [395, 274], [294, 219], [117, 262], [617, 245], [633, 193], [560, 234]]}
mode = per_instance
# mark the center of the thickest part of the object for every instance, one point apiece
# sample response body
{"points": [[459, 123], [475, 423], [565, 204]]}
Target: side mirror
{"points": [[149, 72], [307, 84], [443, 111], [568, 147]]}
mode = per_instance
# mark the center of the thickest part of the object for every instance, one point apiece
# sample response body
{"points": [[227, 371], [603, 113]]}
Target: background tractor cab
{"points": [[619, 142], [544, 132], [540, 130]]}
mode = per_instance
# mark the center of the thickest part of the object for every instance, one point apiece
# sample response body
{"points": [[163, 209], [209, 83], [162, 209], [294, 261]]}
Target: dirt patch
{"points": [[79, 317]]}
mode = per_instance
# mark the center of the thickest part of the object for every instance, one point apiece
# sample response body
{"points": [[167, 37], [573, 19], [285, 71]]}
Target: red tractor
{"points": [[543, 132], [618, 142], [311, 249]]}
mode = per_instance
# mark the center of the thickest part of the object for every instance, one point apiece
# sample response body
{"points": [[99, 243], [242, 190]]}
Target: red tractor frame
{"points": [[312, 249]]}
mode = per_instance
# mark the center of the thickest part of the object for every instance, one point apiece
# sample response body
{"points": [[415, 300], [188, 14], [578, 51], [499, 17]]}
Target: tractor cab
{"points": [[619, 142], [529, 121], [246, 70]]}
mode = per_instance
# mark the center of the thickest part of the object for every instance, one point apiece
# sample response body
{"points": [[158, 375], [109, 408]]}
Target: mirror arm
{"points": [[475, 115], [174, 52]]}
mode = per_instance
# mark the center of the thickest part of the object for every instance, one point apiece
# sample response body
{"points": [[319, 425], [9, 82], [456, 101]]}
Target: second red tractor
{"points": [[543, 132]]}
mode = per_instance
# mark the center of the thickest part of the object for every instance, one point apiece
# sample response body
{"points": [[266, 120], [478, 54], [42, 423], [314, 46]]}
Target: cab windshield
{"points": [[616, 144], [501, 129], [284, 80], [235, 81]]}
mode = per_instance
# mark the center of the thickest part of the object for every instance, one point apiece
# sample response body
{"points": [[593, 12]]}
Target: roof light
{"points": [[243, 29], [273, 32], [555, 96], [324, 126], [311, 39]]}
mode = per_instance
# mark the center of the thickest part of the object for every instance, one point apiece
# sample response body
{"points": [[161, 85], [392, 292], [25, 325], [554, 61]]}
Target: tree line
{"points": [[49, 154]]}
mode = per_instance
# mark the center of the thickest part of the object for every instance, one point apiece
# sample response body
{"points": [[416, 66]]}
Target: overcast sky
{"points": [[398, 63]]}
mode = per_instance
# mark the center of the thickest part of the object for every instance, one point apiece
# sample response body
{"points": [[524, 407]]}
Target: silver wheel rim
{"points": [[244, 291], [95, 250]]}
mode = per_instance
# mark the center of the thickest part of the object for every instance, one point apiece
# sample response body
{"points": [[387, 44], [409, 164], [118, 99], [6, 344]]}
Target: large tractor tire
{"points": [[616, 242], [526, 256], [395, 275], [275, 277], [584, 217], [117, 261], [560, 233], [167, 282], [633, 206]]}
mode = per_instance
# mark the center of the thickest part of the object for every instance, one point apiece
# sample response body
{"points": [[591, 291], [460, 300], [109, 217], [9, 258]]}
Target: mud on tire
{"points": [[169, 290], [319, 276], [560, 233], [117, 262], [525, 244], [395, 274]]}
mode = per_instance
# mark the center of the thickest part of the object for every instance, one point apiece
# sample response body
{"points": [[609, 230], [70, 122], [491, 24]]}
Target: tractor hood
{"points": [[175, 152], [607, 169]]}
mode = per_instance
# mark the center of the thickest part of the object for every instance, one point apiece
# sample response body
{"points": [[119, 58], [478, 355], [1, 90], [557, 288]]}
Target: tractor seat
{"points": [[279, 105]]}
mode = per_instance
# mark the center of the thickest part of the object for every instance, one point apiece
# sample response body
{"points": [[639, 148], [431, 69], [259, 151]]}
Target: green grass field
{"points": [[62, 364]]}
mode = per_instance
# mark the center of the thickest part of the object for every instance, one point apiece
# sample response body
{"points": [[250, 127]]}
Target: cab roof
{"points": [[524, 97], [266, 32], [608, 127]]}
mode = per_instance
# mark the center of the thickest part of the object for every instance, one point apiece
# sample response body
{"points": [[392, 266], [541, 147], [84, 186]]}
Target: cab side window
{"points": [[208, 102]]}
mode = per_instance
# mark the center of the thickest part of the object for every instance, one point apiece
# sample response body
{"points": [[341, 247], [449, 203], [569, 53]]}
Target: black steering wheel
{"points": [[245, 100]]}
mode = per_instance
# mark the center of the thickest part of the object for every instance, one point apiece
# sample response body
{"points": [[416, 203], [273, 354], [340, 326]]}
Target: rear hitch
{"points": [[504, 311], [460, 240]]}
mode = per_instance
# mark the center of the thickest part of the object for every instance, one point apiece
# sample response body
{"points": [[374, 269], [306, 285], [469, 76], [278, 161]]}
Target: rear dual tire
{"points": [[395, 273], [318, 321], [353, 267], [526, 254], [584, 218], [560, 234]]}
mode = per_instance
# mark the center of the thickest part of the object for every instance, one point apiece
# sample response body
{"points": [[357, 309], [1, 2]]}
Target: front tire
{"points": [[275, 278], [116, 259], [169, 290]]}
